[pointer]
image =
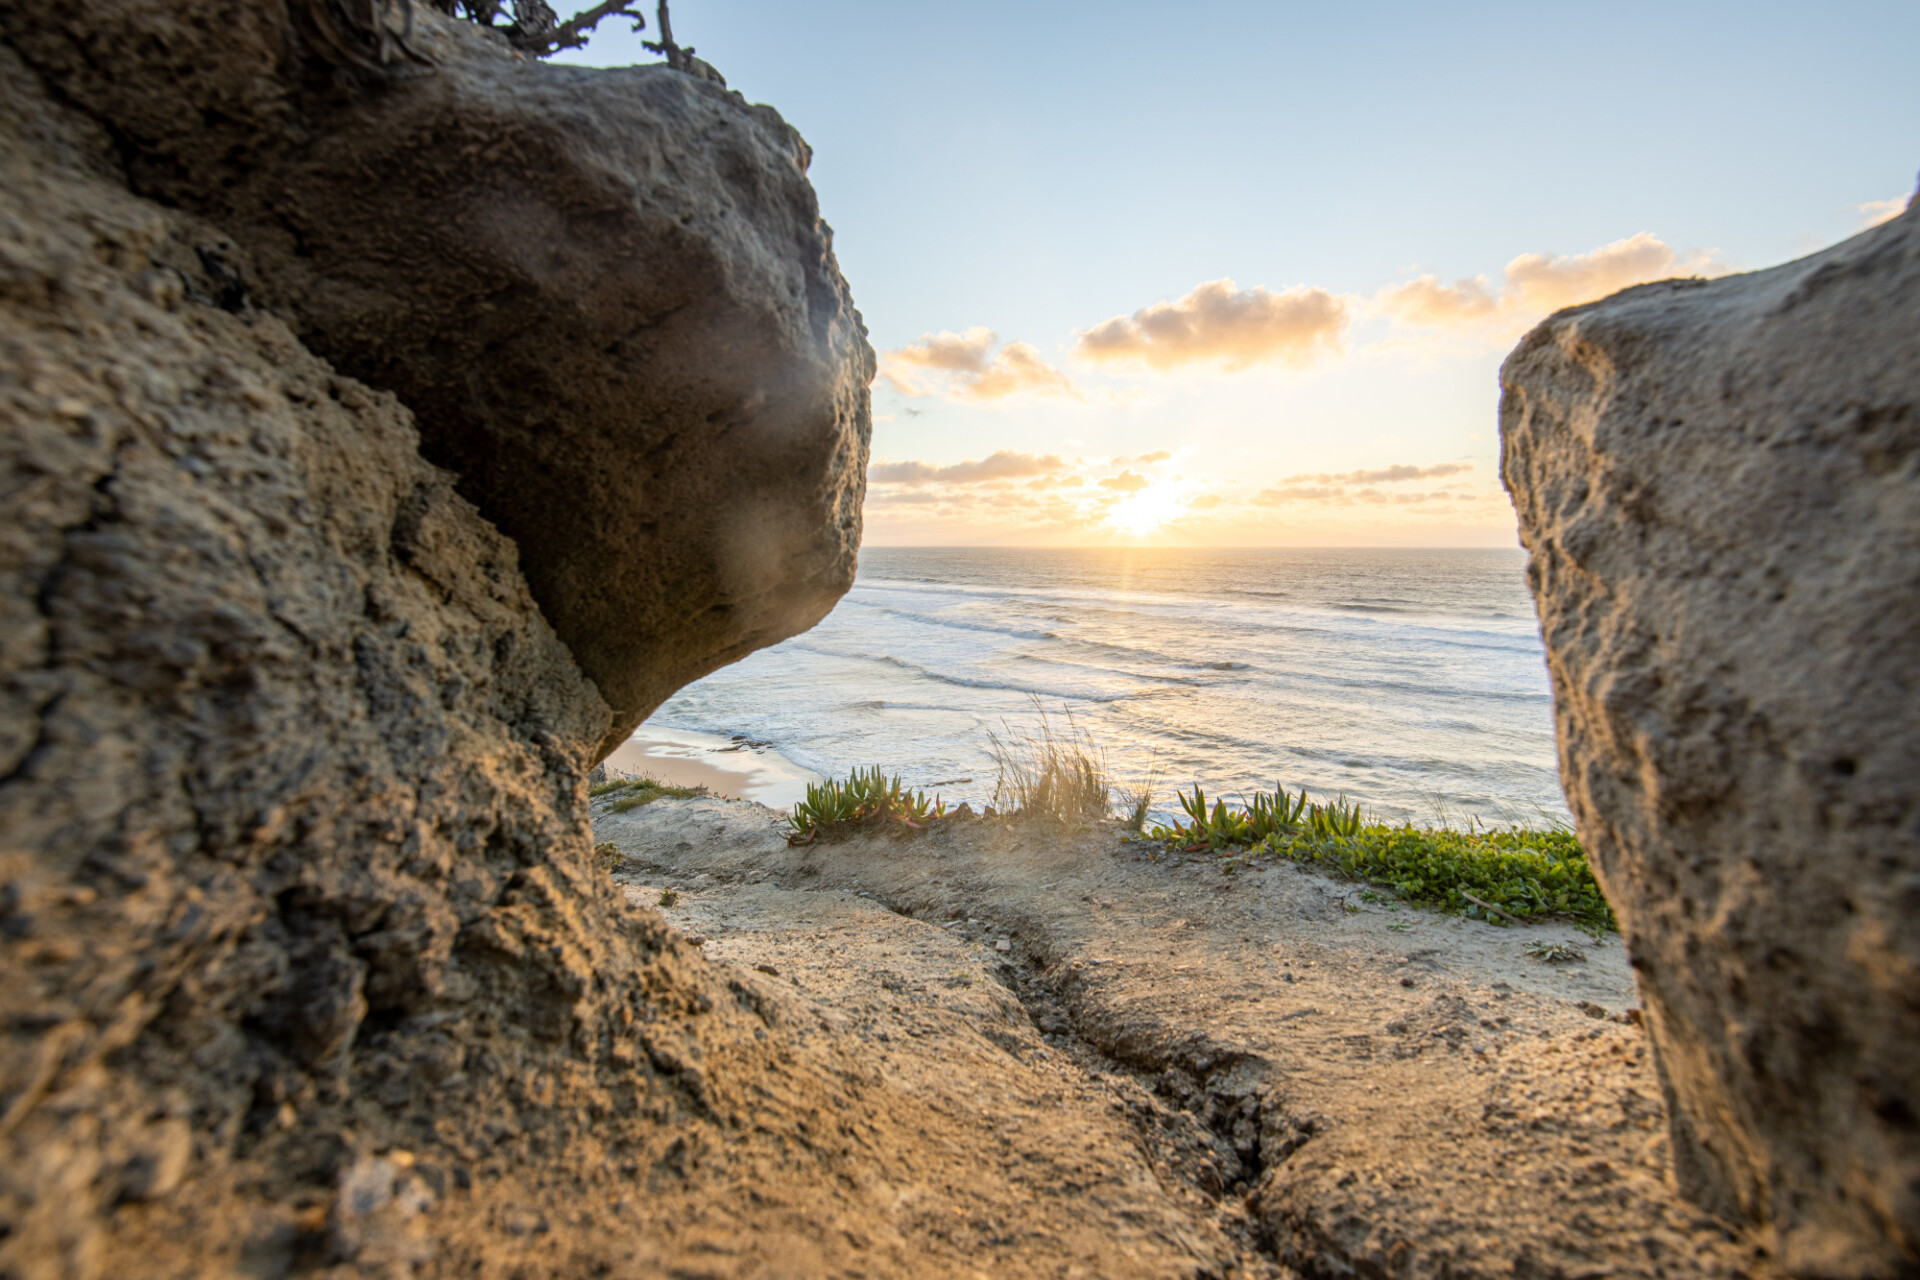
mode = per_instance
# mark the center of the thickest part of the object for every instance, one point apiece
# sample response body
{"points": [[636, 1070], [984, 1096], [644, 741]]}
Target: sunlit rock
{"points": [[607, 296], [1719, 484]]}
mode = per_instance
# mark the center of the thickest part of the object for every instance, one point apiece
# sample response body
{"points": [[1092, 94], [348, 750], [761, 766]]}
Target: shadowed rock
{"points": [[1719, 486], [607, 296], [301, 938]]}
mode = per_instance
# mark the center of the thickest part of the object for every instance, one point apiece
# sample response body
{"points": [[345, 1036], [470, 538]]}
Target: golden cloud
{"points": [[1430, 304], [1004, 465], [1220, 323], [1535, 284], [1383, 475], [1125, 482], [1295, 493], [1333, 490], [1015, 369], [966, 367], [1875, 212]]}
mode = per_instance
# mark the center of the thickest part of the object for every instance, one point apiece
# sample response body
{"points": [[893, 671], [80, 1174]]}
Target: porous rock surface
{"points": [[607, 297], [305, 962], [1719, 485]]}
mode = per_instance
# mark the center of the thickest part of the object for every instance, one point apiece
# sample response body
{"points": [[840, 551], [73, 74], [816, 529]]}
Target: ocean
{"points": [[1412, 681]]}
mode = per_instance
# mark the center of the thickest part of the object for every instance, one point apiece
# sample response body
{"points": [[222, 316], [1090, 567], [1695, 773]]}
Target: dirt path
{"points": [[1135, 1064]]}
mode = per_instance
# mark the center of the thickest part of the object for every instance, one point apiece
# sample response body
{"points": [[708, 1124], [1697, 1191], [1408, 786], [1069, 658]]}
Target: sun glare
{"points": [[1144, 512]]}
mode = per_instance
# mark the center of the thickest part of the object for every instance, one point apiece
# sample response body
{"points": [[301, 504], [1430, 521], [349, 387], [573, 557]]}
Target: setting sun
{"points": [[1144, 512]]}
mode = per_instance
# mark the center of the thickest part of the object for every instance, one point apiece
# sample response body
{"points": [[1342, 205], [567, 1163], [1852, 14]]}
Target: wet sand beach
{"points": [[738, 768]]}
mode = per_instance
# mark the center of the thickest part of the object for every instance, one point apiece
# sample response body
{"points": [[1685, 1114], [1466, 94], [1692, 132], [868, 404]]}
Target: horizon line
{"points": [[1124, 546]]}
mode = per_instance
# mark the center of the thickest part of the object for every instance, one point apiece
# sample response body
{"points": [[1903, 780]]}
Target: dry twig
{"points": [[1488, 906]]}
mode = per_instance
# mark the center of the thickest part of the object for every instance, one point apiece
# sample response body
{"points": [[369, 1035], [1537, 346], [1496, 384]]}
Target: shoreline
{"points": [[736, 768]]}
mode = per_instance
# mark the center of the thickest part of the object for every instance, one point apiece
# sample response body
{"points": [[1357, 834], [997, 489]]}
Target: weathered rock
{"points": [[296, 879], [607, 296], [1719, 485]]}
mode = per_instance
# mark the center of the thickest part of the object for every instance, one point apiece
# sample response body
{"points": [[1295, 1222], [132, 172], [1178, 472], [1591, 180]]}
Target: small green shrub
{"points": [[867, 798], [1522, 874], [669, 897]]}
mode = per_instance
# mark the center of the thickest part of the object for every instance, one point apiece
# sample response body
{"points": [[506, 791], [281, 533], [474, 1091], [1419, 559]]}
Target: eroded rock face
{"points": [[1719, 486], [607, 296], [304, 958]]}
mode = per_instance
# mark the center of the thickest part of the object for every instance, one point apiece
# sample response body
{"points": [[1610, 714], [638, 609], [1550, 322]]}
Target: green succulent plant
{"points": [[867, 797]]}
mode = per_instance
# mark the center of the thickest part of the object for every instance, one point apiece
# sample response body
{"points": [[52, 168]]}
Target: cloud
{"points": [[1535, 284], [1004, 465], [1220, 323], [1542, 283], [1334, 490], [955, 352], [1206, 502], [1158, 455], [966, 367], [1017, 368], [1385, 475], [1398, 499], [912, 497], [1125, 482], [1430, 304], [1295, 493], [1875, 212]]}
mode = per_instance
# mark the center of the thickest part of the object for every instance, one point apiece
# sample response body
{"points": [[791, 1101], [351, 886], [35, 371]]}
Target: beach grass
{"points": [[1135, 799], [631, 793], [1054, 773], [1496, 874]]}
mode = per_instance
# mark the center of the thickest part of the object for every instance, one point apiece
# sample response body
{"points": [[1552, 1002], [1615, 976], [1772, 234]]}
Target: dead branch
{"points": [[678, 58], [1483, 903], [577, 30], [536, 30]]}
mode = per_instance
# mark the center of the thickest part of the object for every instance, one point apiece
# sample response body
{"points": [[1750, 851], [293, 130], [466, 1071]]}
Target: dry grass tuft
{"points": [[1052, 774], [630, 792], [1136, 798]]}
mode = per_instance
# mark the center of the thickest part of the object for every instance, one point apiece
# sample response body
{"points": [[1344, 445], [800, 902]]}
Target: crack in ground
{"points": [[1207, 1114]]}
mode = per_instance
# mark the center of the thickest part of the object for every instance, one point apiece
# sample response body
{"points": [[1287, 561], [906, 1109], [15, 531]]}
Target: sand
{"points": [[734, 768], [1264, 1073]]}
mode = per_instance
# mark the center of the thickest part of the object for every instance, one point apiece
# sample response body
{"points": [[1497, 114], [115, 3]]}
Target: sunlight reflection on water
{"points": [[1413, 681]]}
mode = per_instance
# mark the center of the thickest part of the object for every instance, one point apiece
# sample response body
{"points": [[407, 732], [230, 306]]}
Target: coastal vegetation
{"points": [[868, 798], [631, 793], [1053, 772], [1058, 776], [1509, 874]]}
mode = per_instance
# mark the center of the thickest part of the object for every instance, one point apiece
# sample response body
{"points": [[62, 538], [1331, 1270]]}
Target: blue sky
{"points": [[1035, 170]]}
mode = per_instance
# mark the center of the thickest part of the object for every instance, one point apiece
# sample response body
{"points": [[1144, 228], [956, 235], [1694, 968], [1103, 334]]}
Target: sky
{"points": [[1238, 274]]}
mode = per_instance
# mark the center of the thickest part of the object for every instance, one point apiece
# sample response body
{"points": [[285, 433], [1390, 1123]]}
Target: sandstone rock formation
{"points": [[301, 939], [607, 296], [1719, 485]]}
